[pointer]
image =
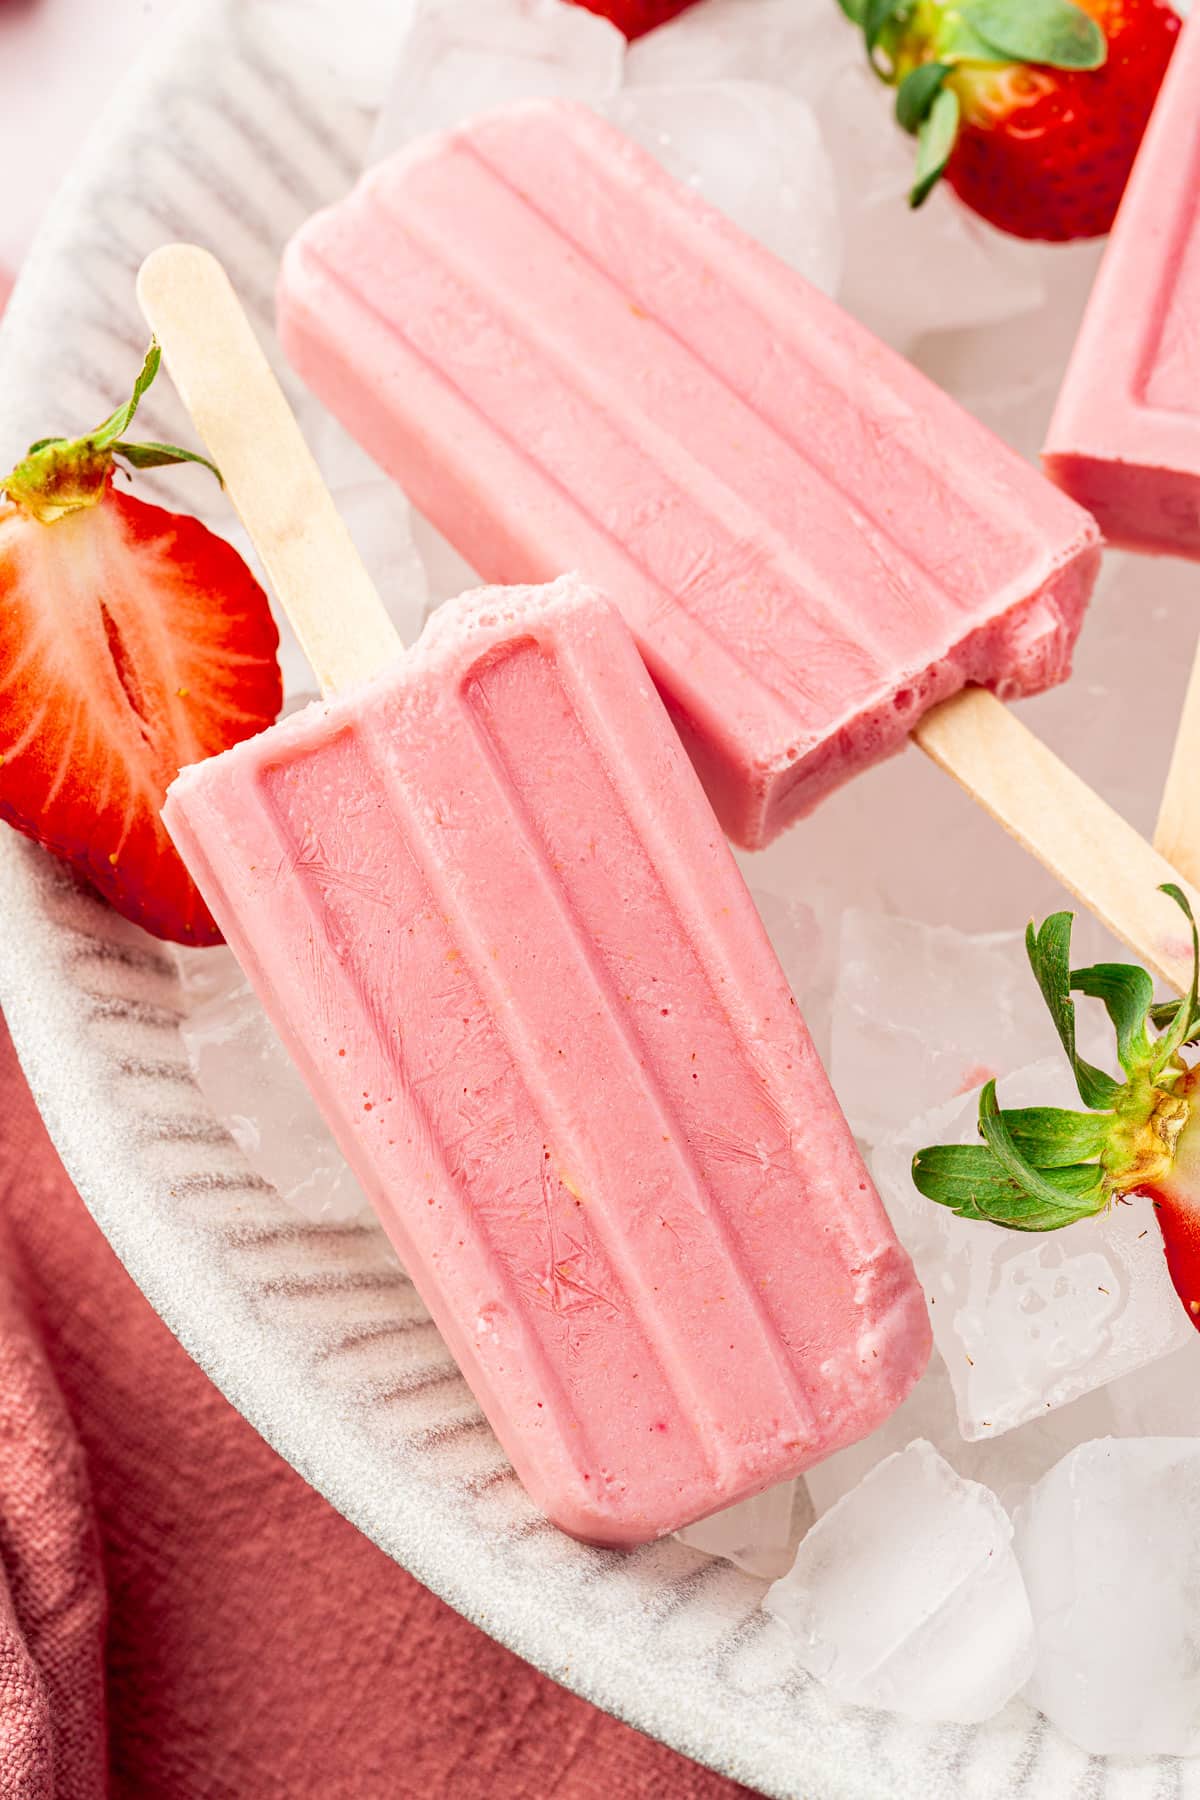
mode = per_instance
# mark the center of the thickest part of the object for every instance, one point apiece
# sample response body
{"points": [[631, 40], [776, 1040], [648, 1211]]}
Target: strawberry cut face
{"points": [[132, 641]]}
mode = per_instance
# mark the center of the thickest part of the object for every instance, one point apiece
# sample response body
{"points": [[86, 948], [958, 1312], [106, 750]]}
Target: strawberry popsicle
{"points": [[1125, 436], [570, 361], [491, 913]]}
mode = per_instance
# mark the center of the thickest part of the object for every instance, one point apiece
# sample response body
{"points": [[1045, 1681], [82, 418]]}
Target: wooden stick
{"points": [[1072, 832], [1177, 834], [239, 410]]}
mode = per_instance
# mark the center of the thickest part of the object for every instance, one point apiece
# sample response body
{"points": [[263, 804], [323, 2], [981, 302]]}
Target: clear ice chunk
{"points": [[1009, 1464], [1109, 1542], [255, 1090], [906, 273], [907, 1595], [1029, 1321], [461, 57], [759, 1535], [1161, 1400], [924, 1012], [756, 153]]}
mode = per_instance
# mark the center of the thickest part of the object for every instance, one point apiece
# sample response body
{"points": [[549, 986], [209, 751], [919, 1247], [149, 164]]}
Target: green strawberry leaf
{"points": [[853, 10], [917, 93], [1128, 993], [1033, 1182], [876, 16], [1053, 33], [157, 456], [1049, 1137], [118, 423], [971, 1181], [1176, 1033], [935, 140], [65, 475], [1164, 1013], [957, 42], [1049, 951]]}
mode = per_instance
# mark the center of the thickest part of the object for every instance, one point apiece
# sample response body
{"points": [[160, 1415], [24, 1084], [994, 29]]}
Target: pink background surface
{"points": [[180, 1615]]}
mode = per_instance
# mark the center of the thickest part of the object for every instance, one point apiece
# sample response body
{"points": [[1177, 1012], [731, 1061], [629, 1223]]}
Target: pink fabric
{"points": [[168, 1583]]}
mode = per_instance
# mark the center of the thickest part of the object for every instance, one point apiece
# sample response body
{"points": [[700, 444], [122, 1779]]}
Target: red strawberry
{"points": [[636, 17], [1176, 1197], [1032, 109], [132, 641], [1178, 1216]]}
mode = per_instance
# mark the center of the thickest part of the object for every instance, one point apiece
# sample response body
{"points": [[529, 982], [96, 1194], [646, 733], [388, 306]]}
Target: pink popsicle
{"points": [[1125, 436], [493, 917], [570, 361]]}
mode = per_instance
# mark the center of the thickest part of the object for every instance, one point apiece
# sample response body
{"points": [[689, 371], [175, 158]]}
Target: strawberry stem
{"points": [[1040, 1168], [59, 476], [927, 49]]}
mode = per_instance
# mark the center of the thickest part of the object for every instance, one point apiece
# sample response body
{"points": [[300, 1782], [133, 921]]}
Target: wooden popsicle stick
{"points": [[1177, 834], [240, 412], [1072, 832]]}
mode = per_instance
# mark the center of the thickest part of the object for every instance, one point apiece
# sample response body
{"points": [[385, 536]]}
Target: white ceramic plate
{"points": [[223, 135]]}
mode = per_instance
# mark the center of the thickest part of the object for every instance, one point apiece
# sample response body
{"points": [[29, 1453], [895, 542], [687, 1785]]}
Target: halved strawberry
{"points": [[132, 641], [1033, 110]]}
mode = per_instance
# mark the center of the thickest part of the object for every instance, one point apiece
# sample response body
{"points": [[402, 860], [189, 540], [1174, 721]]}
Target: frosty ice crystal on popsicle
{"points": [[487, 907]]}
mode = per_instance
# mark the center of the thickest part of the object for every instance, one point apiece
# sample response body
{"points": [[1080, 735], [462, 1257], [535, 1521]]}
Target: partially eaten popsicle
{"points": [[485, 902], [570, 361], [1125, 436]]}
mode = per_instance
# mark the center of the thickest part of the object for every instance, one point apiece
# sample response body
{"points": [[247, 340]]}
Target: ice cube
{"points": [[461, 57], [738, 40], [1139, 639], [759, 1535], [377, 516], [924, 1012], [446, 572], [1162, 1400], [1008, 1464], [1109, 1543], [756, 153], [1009, 375], [356, 62], [1029, 1321], [255, 1090], [800, 942], [906, 1594], [906, 273]]}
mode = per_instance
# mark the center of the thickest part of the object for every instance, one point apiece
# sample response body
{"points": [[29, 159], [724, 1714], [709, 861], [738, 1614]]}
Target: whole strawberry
{"points": [[636, 17], [1033, 110], [132, 641]]}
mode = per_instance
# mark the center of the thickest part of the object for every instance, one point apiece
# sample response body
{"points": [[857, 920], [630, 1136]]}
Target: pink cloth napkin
{"points": [[182, 1617]]}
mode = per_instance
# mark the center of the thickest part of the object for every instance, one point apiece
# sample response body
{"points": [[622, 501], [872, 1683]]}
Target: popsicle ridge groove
{"points": [[667, 599], [614, 164], [715, 495], [593, 946], [586, 1179], [1168, 375]]}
